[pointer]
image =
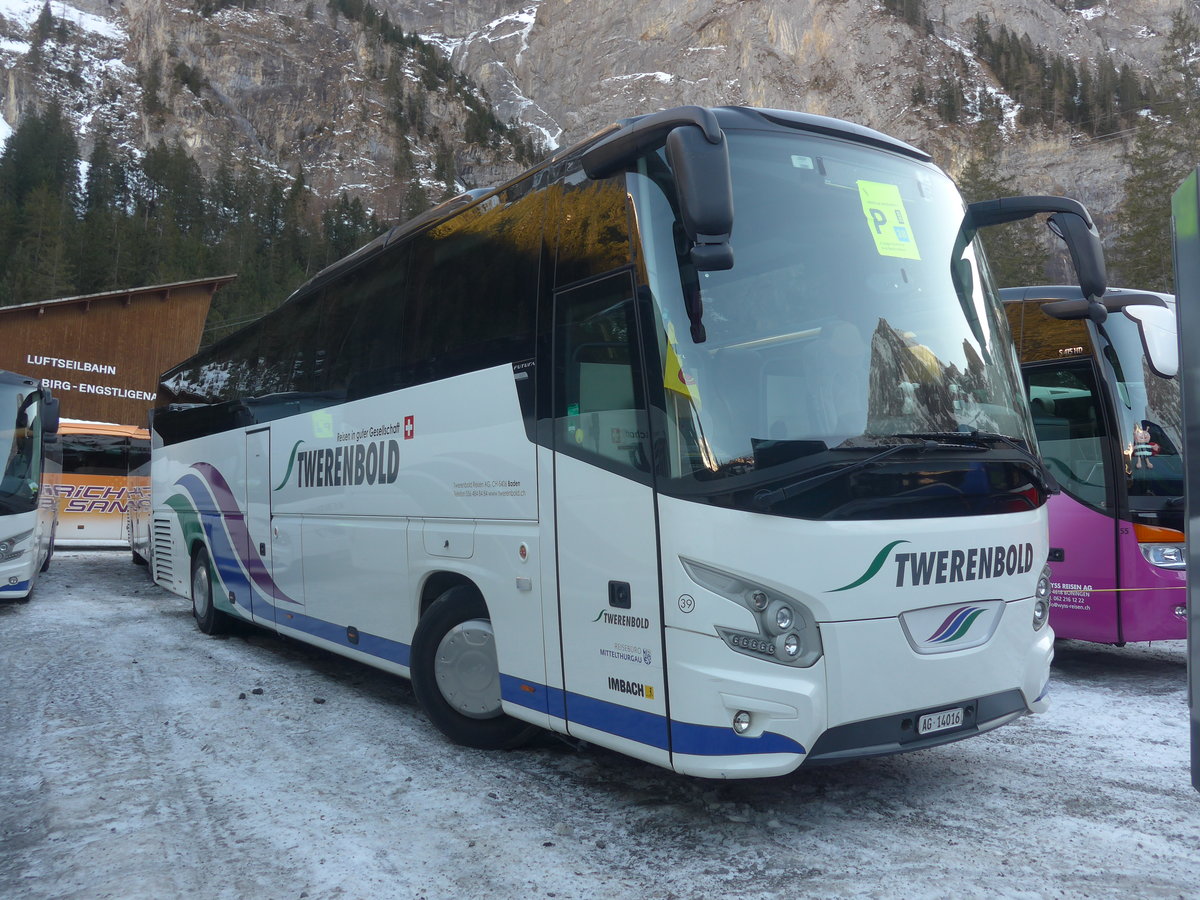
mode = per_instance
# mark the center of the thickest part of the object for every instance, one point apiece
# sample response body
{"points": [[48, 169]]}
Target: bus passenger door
{"points": [[256, 555], [607, 540], [1074, 441]]}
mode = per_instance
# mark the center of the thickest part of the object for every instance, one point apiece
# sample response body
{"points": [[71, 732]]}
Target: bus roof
{"points": [[735, 117], [110, 429]]}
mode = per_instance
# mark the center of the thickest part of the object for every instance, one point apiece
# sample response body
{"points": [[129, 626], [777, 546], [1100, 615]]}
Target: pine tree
{"points": [[1014, 253], [1162, 154], [1142, 252]]}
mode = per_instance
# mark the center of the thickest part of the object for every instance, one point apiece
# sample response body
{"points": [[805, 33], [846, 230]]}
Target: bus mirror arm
{"points": [[1087, 254], [1071, 221], [699, 158], [620, 148]]}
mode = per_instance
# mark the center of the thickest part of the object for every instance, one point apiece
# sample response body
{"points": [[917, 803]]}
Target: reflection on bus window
{"points": [[1070, 430]]}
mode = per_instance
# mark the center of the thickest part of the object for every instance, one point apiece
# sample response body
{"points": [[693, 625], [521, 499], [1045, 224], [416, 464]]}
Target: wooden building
{"points": [[101, 354]]}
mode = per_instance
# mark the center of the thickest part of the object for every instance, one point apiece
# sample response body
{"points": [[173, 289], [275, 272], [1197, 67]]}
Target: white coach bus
{"points": [[28, 507], [703, 441]]}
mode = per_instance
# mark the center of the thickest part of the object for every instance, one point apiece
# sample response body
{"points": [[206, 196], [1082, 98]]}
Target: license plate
{"points": [[940, 721]]}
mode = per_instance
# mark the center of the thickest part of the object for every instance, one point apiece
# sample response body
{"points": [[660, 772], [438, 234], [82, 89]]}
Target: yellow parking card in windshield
{"points": [[888, 220]]}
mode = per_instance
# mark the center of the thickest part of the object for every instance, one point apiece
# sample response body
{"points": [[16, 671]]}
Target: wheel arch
{"points": [[437, 583]]}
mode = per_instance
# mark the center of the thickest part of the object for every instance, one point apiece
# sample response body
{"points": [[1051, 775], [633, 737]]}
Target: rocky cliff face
{"points": [[575, 64], [311, 84]]}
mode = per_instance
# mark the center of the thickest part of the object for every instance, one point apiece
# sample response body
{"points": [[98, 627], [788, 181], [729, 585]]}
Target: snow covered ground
{"points": [[141, 759]]}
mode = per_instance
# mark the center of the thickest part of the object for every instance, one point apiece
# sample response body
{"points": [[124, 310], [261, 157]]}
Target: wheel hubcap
{"points": [[200, 593], [466, 669]]}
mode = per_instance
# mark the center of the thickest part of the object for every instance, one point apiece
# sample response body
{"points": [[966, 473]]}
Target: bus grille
{"points": [[164, 570]]}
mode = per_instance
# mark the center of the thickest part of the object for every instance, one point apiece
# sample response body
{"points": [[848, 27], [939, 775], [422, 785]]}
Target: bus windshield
{"points": [[21, 439], [856, 312], [1149, 414]]}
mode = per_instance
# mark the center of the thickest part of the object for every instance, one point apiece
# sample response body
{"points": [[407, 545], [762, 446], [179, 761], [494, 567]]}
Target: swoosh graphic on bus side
{"points": [[228, 571], [291, 462], [872, 570], [224, 505], [957, 624], [235, 521], [189, 520]]}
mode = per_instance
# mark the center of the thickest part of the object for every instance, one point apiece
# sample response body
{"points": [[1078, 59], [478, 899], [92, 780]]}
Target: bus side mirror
{"points": [[705, 195], [1087, 253], [49, 415], [1160, 340]]}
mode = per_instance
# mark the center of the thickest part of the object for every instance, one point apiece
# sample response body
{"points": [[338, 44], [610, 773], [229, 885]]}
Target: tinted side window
{"points": [[229, 368], [472, 291], [139, 453], [94, 454], [367, 312], [1071, 433], [600, 404]]}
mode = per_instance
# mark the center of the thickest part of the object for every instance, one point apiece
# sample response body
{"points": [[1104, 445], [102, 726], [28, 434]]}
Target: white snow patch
{"points": [[5, 133], [1096, 12], [1009, 107], [446, 44], [133, 762], [660, 77], [27, 11]]}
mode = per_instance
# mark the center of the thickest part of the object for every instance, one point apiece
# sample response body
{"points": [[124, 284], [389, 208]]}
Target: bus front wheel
{"points": [[456, 675], [209, 619]]}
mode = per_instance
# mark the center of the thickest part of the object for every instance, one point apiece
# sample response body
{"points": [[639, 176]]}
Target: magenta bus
{"points": [[1107, 412]]}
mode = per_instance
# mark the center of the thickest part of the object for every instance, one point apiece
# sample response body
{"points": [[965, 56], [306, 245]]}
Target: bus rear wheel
{"points": [[209, 619], [456, 676]]}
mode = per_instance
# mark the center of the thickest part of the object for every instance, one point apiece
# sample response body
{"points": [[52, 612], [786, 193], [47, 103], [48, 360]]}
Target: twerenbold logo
{"points": [[872, 569], [956, 626], [949, 566], [291, 462]]}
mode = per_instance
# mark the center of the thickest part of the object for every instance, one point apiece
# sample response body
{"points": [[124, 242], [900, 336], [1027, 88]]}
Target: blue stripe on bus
{"points": [[371, 644], [712, 740], [634, 724], [643, 727]]}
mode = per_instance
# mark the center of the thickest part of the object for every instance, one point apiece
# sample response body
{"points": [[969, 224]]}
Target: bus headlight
{"points": [[1042, 591], [787, 633], [1041, 614], [8, 546], [1165, 556]]}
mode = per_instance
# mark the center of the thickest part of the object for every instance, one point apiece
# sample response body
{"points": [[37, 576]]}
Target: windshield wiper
{"points": [[981, 439], [768, 498]]}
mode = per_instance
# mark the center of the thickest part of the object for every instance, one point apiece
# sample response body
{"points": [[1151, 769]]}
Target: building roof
{"points": [[128, 294]]}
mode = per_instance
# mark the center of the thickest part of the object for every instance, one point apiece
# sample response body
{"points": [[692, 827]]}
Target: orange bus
{"points": [[105, 473]]}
